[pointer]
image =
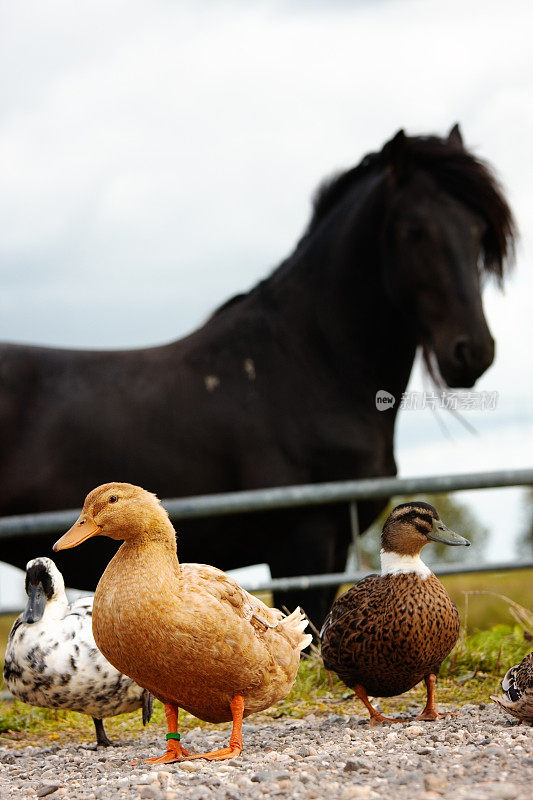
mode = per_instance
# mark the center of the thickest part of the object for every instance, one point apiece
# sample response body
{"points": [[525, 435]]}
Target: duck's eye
{"points": [[113, 498]]}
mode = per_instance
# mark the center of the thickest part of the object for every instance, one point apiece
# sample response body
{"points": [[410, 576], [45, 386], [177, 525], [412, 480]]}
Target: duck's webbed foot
{"points": [[175, 750], [220, 755], [429, 715], [235, 742], [375, 717]]}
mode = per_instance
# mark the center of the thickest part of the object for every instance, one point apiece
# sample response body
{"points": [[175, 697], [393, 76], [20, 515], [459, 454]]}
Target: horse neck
{"points": [[331, 291]]}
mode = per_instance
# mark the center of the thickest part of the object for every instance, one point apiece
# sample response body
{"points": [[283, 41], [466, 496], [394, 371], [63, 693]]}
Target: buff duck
{"points": [[52, 660], [187, 632], [390, 631], [517, 688]]}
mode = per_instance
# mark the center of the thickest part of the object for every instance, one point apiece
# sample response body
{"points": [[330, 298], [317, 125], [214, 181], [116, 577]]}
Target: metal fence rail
{"points": [[304, 582], [296, 496], [211, 505]]}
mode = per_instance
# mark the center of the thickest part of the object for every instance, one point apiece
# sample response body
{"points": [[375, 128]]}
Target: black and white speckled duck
{"points": [[517, 688], [390, 631], [52, 660]]}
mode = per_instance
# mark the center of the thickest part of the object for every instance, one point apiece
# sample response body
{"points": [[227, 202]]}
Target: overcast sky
{"points": [[158, 156]]}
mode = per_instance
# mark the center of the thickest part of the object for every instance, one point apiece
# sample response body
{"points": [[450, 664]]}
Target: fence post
{"points": [[354, 524]]}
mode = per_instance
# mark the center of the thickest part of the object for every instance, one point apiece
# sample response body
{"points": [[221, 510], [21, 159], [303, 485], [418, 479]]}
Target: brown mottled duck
{"points": [[390, 631], [186, 632], [517, 688]]}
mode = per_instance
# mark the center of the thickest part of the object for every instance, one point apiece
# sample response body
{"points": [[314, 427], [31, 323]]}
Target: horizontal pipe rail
{"points": [[304, 582], [284, 497]]}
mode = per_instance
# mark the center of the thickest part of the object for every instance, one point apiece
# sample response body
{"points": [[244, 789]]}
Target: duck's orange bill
{"points": [[83, 529]]}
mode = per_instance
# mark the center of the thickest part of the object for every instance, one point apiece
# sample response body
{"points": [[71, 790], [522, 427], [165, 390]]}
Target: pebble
{"points": [[46, 788], [481, 755], [357, 793], [150, 793], [413, 730], [354, 765], [435, 783], [190, 766]]}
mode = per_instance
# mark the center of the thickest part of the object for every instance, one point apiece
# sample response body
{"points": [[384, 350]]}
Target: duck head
{"points": [[45, 588], [120, 511], [408, 528]]}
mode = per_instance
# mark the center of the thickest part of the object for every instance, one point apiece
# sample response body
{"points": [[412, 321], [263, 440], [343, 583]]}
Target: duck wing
{"points": [[347, 604], [244, 605], [83, 606]]}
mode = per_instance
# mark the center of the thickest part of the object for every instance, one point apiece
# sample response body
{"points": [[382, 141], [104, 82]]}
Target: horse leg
{"points": [[309, 542]]}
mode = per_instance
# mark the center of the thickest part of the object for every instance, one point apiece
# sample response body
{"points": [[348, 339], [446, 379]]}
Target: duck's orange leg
{"points": [[375, 717], [235, 742], [175, 751], [430, 713]]}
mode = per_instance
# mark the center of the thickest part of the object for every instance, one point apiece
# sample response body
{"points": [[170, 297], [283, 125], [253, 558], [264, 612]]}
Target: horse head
{"points": [[447, 227]]}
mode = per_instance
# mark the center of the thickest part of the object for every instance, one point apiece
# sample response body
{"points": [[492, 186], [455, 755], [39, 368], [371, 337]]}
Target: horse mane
{"points": [[334, 188], [226, 304], [457, 171]]}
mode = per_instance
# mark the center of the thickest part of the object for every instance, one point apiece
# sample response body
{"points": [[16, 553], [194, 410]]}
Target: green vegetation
{"points": [[6, 621], [482, 598]]}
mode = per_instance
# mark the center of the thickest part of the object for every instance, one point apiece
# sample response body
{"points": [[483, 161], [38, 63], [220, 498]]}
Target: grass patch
{"points": [[486, 595], [6, 621], [489, 653]]}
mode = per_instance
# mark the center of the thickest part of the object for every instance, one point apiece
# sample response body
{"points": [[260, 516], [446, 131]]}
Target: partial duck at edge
{"points": [[517, 690]]}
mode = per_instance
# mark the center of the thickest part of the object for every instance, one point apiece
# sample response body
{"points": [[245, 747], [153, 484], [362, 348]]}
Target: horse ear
{"points": [[396, 153], [455, 135]]}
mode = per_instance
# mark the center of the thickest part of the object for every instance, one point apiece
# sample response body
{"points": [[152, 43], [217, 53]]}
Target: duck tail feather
{"points": [[508, 680], [505, 704], [296, 623]]}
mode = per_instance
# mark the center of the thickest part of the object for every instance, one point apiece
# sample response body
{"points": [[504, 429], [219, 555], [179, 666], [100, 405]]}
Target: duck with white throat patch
{"points": [[390, 631]]}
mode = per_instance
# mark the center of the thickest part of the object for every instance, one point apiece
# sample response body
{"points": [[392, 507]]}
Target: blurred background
{"points": [[158, 157]]}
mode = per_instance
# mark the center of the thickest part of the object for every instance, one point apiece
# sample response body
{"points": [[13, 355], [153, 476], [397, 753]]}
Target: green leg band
{"points": [[173, 736]]}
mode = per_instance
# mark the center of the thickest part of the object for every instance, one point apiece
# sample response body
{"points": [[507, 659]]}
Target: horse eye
{"points": [[113, 498]]}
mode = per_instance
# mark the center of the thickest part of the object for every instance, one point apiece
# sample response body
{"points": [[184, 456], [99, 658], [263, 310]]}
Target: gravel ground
{"points": [[479, 755]]}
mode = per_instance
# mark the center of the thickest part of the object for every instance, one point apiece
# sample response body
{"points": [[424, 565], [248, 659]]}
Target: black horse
{"points": [[279, 385]]}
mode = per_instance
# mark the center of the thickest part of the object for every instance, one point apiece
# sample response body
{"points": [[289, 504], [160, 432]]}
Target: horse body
{"points": [[278, 387]]}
